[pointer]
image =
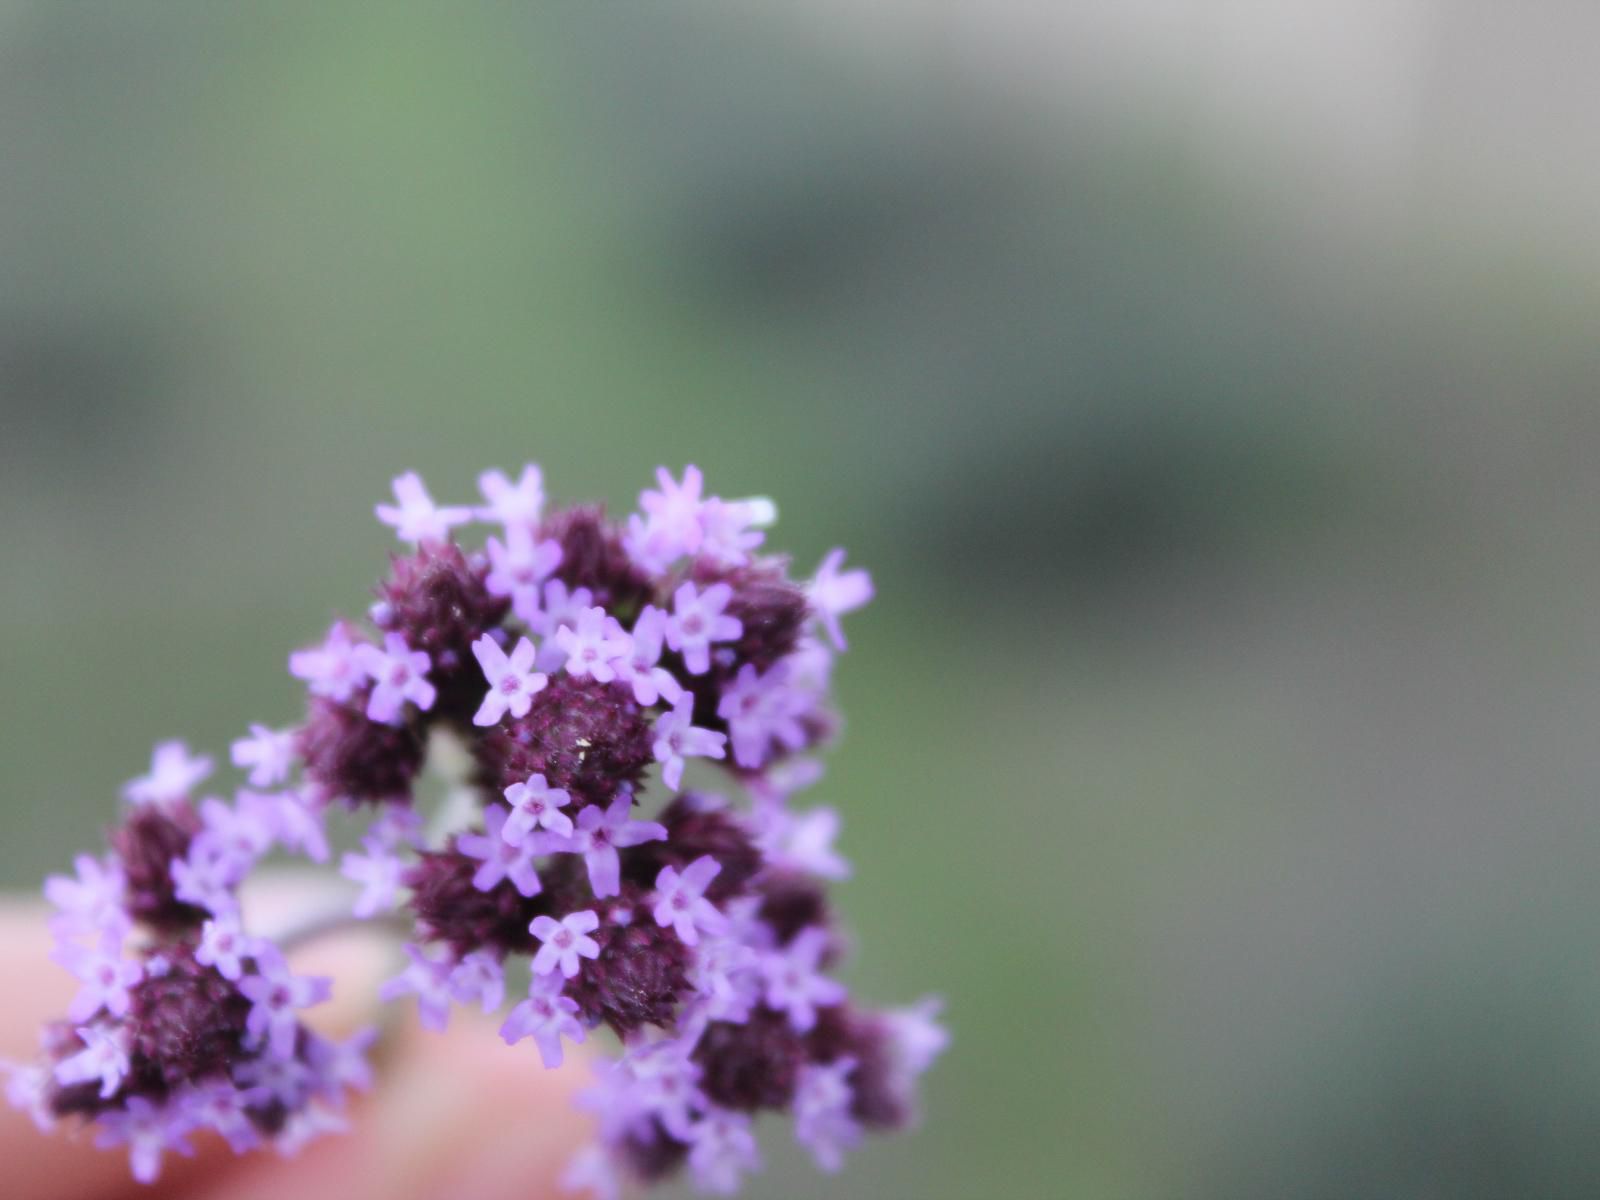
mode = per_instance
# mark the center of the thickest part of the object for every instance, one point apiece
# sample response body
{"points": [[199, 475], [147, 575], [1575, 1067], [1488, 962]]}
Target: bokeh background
{"points": [[1211, 388]]}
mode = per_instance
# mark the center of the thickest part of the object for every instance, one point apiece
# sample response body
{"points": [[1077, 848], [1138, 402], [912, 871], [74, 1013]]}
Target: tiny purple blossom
{"points": [[105, 975], [561, 606], [915, 1039], [677, 739], [342, 1065], [427, 978], [832, 593], [398, 674], [565, 942], [221, 1105], [239, 833], [681, 902], [305, 1125], [698, 620], [296, 823], [224, 946], [268, 753], [478, 979], [666, 1084], [536, 805], [795, 983], [761, 709], [501, 859], [104, 1057], [512, 504], [377, 868], [207, 875], [721, 1150], [650, 682], [91, 903], [804, 842], [329, 669], [594, 644], [28, 1089], [272, 1079], [823, 1122], [275, 993], [148, 1130], [546, 1016], [517, 568], [513, 683], [728, 529], [726, 978], [670, 527], [417, 518], [598, 834], [174, 773]]}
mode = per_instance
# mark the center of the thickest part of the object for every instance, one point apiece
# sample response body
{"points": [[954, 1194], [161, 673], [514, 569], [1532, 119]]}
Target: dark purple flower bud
{"points": [[146, 843], [452, 910], [641, 975], [751, 1065], [351, 758], [791, 902], [437, 601], [591, 739], [694, 830], [184, 1024], [653, 1154], [593, 557], [879, 1099]]}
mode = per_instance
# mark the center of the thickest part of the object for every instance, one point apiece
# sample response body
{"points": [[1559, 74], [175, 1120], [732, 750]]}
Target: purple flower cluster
{"points": [[562, 673], [183, 1020]]}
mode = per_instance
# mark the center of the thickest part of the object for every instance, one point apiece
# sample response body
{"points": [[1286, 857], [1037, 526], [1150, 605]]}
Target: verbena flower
{"points": [[585, 664]]}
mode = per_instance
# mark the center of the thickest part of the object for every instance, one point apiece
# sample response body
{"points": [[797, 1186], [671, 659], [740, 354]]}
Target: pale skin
{"points": [[454, 1116]]}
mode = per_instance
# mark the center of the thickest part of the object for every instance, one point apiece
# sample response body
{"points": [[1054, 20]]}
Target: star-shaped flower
{"points": [[512, 504], [565, 942], [518, 567], [794, 980], [329, 669], [677, 739], [650, 682], [681, 902], [275, 994], [104, 1057], [536, 805], [417, 518], [174, 774], [597, 835], [267, 752], [832, 593], [398, 674], [428, 978], [698, 620], [593, 645], [513, 683], [546, 1016], [501, 859]]}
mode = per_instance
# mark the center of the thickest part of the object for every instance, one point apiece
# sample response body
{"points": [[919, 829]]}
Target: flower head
{"points": [[416, 518], [541, 675]]}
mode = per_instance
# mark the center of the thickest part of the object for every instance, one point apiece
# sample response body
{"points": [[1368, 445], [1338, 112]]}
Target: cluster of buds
{"points": [[568, 669]]}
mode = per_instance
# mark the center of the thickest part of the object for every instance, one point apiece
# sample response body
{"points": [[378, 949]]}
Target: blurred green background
{"points": [[1210, 388]]}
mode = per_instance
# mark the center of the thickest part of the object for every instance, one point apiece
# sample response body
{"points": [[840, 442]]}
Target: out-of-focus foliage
{"points": [[1222, 739]]}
